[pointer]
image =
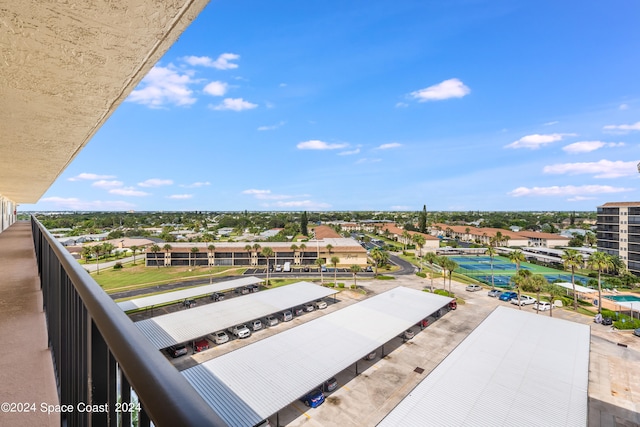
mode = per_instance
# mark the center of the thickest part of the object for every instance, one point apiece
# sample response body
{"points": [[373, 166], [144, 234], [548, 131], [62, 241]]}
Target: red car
{"points": [[201, 345]]}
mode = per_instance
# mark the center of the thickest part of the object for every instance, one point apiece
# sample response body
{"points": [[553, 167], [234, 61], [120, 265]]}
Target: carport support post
{"points": [[382, 353], [357, 368], [277, 419]]}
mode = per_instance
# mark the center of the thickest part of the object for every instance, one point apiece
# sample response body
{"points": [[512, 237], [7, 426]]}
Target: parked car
{"points": [[320, 304], [242, 290], [220, 337], [298, 311], [256, 325], [177, 350], [240, 331], [607, 321], [323, 269], [494, 293], [473, 288], [507, 296], [216, 296], [314, 398], [189, 303], [306, 269], [368, 269], [524, 300], [370, 356], [542, 306], [285, 316], [309, 307], [253, 288], [330, 385], [278, 268], [453, 304], [636, 332], [201, 345], [270, 321], [408, 334]]}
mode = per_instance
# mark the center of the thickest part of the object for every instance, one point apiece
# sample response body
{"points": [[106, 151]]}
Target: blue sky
{"points": [[376, 105]]}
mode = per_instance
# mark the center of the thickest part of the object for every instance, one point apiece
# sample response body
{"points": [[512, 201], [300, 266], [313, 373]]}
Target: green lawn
{"points": [[139, 276]]}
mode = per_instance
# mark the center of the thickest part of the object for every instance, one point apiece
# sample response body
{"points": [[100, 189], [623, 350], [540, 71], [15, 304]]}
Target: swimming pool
{"points": [[623, 298]]}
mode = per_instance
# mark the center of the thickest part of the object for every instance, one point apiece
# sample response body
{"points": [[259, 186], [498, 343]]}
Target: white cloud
{"points": [[315, 144], [221, 63], [234, 104], [180, 196], [622, 128], [128, 191], [90, 177], [623, 107], [568, 190], [272, 127], [600, 169], [107, 184], [580, 198], [75, 204], [349, 153], [555, 122], [282, 85], [216, 88], [401, 208], [389, 146], [267, 195], [196, 184], [452, 88], [162, 86], [536, 141], [155, 182], [588, 146], [401, 105]]}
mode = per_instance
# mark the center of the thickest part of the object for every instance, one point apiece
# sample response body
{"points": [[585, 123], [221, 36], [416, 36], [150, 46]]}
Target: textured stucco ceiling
{"points": [[65, 66]]}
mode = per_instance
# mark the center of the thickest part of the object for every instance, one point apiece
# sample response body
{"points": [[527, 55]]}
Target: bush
{"points": [[443, 293], [117, 266], [330, 285], [353, 287], [341, 285], [421, 274], [593, 274], [385, 277]]}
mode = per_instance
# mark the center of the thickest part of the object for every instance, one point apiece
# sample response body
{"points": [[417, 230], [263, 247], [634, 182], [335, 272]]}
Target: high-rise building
{"points": [[619, 232]]}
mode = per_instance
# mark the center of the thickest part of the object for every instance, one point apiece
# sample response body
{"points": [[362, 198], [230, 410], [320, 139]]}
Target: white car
{"points": [[542, 306], [473, 288], [220, 337], [240, 331], [320, 304], [524, 300]]}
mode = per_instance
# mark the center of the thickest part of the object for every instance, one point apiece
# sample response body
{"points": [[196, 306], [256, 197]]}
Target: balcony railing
{"points": [[100, 358]]}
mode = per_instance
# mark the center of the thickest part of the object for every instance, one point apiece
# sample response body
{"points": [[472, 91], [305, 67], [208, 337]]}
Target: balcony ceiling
{"points": [[65, 66]]}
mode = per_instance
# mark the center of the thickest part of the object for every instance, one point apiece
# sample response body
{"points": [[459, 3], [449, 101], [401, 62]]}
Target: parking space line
{"points": [[301, 411]]}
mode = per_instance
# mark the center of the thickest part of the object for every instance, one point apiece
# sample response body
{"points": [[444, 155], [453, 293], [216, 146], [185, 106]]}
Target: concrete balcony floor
{"points": [[26, 368]]}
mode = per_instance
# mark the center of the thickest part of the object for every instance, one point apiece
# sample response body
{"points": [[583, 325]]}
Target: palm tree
{"points": [[212, 253], [319, 263], [517, 257], [538, 282], [86, 253], [108, 248], [355, 269], [467, 230], [134, 249], [167, 248], [553, 290], [491, 251], [406, 238], [334, 261], [329, 249], [248, 248], [194, 250], [419, 241], [442, 262], [572, 259], [431, 258], [376, 255], [451, 266], [97, 249], [267, 252], [155, 249], [600, 261], [294, 248], [303, 247], [519, 281]]}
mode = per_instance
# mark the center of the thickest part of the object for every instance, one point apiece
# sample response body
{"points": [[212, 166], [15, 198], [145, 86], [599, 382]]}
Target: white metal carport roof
{"points": [[194, 292], [189, 324], [515, 369], [254, 382], [581, 289]]}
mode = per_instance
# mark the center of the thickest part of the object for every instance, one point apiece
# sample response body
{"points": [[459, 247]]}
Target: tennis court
{"points": [[479, 268]]}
